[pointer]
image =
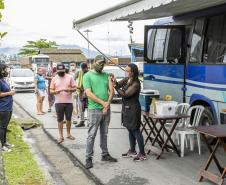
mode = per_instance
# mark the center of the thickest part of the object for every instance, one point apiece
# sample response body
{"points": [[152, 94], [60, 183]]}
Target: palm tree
{"points": [[33, 47]]}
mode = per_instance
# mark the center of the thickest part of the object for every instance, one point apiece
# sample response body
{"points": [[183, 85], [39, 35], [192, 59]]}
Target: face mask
{"points": [[61, 74], [127, 74], [72, 67], [5, 74], [99, 67]]}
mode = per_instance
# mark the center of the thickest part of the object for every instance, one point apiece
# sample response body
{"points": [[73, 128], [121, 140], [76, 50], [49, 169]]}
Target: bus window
{"points": [[215, 41], [196, 44], [164, 44], [173, 54], [159, 44]]}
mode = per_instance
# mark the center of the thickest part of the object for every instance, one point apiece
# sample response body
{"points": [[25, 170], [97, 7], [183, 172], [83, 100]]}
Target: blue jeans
{"points": [[133, 136], [97, 119]]}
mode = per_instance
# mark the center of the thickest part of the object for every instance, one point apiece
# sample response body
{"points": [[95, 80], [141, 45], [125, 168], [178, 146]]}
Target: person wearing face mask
{"points": [[81, 98], [40, 90], [6, 105], [62, 86], [99, 90], [129, 89]]}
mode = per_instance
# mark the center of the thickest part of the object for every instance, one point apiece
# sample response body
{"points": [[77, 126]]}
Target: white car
{"points": [[21, 80], [119, 75]]}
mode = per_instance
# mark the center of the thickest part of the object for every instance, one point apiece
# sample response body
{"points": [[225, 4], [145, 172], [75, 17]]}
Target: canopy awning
{"points": [[145, 9]]}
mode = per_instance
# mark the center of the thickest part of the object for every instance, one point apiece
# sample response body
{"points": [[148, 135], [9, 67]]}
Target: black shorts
{"points": [[64, 109]]}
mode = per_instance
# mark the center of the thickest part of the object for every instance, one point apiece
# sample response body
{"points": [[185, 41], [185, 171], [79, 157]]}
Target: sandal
{"points": [[71, 137], [61, 140], [40, 113]]}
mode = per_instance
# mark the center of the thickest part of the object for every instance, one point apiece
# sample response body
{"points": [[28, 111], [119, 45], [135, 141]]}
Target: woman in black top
{"points": [[129, 89], [6, 105]]}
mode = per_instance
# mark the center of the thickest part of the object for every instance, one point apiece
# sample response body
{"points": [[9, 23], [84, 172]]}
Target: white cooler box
{"points": [[166, 108]]}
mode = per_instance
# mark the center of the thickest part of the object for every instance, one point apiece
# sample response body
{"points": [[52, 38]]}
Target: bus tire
{"points": [[206, 120]]}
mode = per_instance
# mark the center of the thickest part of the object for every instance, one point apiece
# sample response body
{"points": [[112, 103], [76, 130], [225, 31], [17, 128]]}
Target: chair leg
{"points": [[191, 142], [186, 141], [199, 143], [182, 140], [177, 136]]}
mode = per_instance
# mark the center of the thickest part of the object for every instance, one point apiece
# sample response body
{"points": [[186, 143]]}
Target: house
{"points": [[65, 56]]}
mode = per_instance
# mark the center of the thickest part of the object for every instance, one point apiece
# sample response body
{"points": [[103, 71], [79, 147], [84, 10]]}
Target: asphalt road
{"points": [[170, 169]]}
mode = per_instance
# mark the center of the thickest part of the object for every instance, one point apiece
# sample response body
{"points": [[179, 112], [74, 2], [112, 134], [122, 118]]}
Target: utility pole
{"points": [[87, 34]]}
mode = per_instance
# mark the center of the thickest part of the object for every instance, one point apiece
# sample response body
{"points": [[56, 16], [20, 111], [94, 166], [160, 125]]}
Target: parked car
{"points": [[119, 75], [21, 79]]}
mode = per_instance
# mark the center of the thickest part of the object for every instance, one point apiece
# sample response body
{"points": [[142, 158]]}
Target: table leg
{"points": [[203, 172], [143, 125], [169, 137], [158, 138], [145, 130]]}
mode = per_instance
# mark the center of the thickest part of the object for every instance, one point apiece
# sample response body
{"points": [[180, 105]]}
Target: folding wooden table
{"points": [[218, 132], [156, 126]]}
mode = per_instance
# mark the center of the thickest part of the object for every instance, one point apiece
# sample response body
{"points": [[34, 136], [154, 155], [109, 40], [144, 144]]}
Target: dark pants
{"points": [[4, 121], [133, 136]]}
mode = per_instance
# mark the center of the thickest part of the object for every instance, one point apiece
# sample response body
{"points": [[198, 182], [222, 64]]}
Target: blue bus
{"points": [[186, 58]]}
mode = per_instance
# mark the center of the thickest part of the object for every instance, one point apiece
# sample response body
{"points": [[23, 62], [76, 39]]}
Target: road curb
{"points": [[3, 179], [72, 157]]}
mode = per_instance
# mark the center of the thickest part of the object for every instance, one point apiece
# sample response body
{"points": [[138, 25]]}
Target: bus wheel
{"points": [[206, 120]]}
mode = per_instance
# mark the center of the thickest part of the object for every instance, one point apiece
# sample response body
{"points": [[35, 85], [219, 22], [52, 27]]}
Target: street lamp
{"points": [[87, 34]]}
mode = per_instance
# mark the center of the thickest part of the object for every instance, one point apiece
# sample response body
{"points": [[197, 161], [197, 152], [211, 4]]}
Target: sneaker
{"points": [[80, 124], [5, 149], [129, 154], [108, 158], [89, 163], [9, 145], [140, 157], [74, 122]]}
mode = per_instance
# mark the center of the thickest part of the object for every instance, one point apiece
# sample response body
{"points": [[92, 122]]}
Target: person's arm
{"points": [[4, 94], [111, 90], [132, 89], [120, 83], [36, 84]]}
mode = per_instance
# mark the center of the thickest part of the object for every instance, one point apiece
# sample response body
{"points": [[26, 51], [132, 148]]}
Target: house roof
{"points": [[61, 55], [145, 9], [60, 51]]}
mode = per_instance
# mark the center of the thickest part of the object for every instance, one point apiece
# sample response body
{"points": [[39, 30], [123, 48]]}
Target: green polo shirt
{"points": [[98, 83]]}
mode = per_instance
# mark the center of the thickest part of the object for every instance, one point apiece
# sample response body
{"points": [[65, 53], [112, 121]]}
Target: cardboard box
{"points": [[166, 108]]}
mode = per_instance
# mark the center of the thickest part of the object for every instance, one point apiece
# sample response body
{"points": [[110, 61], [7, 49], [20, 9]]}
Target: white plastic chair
{"points": [[181, 108], [196, 113]]}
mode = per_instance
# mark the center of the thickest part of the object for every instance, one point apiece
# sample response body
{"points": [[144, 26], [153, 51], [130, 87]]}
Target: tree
{"points": [[33, 47], [2, 6]]}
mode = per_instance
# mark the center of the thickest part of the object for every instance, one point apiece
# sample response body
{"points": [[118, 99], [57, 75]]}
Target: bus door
{"points": [[165, 54]]}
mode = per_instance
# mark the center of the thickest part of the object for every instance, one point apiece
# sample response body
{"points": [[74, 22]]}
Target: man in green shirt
{"points": [[99, 90]]}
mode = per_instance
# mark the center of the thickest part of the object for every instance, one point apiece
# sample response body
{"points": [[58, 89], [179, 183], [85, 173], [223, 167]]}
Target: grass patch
{"points": [[20, 166]]}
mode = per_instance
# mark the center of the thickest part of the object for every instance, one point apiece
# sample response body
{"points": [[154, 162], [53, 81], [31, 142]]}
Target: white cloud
{"points": [[52, 19]]}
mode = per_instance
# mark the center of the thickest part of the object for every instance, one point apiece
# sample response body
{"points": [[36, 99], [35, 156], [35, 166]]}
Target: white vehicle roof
{"points": [[20, 69]]}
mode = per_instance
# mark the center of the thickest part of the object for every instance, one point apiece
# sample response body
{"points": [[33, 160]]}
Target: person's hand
{"points": [[113, 80], [105, 110], [106, 106], [36, 91], [57, 92], [68, 90], [12, 92]]}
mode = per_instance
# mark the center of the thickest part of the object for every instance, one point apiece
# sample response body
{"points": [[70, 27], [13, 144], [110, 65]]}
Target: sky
{"points": [[52, 20]]}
